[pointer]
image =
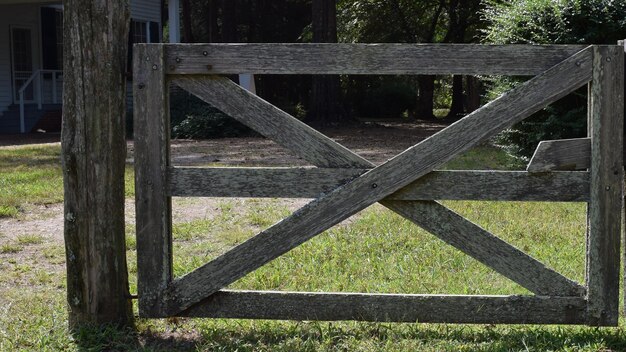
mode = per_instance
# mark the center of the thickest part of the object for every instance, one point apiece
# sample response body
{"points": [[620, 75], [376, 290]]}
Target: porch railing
{"points": [[37, 80]]}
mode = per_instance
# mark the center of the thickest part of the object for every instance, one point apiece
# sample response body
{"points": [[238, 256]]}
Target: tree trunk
{"points": [[187, 28], [425, 98], [326, 108], [211, 21], [93, 159], [456, 108], [229, 21], [473, 94]]}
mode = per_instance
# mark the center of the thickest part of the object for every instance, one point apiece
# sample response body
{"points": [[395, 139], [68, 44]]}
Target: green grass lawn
{"points": [[375, 251]]}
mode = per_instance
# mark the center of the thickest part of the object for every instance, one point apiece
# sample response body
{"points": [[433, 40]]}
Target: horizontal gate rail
{"points": [[369, 59], [391, 176], [392, 307], [344, 183], [562, 186]]}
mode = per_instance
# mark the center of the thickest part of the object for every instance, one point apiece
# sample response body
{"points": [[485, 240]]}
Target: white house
{"points": [[31, 56]]}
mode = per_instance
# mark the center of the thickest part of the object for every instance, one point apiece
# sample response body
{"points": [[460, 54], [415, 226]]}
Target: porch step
{"points": [[10, 119]]}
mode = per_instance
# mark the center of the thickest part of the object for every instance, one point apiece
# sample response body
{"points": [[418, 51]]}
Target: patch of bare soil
{"points": [[375, 142]]}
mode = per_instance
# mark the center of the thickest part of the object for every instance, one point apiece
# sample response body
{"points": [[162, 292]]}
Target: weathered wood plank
{"points": [[380, 182], [369, 59], [487, 248], [562, 154], [391, 307], [441, 185], [604, 212], [153, 206], [269, 121]]}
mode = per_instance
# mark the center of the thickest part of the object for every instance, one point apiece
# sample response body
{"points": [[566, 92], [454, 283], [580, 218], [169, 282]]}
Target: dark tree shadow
{"points": [[313, 335]]}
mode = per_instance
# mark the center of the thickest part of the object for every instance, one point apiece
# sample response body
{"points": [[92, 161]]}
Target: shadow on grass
{"points": [[317, 336], [113, 338]]}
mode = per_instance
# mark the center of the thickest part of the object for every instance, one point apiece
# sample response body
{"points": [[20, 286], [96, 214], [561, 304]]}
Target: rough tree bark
{"points": [[326, 108], [93, 156]]}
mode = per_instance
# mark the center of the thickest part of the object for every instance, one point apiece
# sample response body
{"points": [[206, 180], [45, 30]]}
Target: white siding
{"points": [[18, 15], [146, 10], [28, 14]]}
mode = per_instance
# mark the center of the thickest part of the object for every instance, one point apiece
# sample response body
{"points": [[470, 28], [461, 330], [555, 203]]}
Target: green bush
{"points": [[552, 22], [195, 119]]}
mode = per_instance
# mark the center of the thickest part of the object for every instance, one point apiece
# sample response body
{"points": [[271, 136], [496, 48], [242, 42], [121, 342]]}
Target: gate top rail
{"points": [[362, 59]]}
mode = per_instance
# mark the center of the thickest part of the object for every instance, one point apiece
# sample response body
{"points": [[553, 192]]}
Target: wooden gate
{"points": [[344, 183]]}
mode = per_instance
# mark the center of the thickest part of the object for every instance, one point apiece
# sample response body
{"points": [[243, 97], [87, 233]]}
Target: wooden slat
{"points": [[269, 121], [153, 206], [258, 182], [488, 249], [604, 213], [440, 185], [391, 307], [369, 59], [380, 182], [562, 154]]}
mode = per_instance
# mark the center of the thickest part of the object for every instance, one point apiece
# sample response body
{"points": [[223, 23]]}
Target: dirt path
{"points": [[376, 142]]}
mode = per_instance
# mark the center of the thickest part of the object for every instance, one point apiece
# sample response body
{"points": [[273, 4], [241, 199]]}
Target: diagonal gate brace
{"points": [[380, 182]]}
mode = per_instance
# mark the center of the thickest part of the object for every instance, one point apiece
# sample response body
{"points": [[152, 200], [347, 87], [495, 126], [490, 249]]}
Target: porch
{"points": [[31, 59]]}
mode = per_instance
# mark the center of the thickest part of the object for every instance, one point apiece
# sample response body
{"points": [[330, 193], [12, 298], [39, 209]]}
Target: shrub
{"points": [[193, 118], [552, 22]]}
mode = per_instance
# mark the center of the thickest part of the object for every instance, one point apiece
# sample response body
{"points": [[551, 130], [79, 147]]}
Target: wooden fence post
{"points": [[622, 43], [605, 208], [93, 158], [154, 213]]}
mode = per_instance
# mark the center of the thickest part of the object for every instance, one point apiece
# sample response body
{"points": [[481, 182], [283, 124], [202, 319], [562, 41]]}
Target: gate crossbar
{"points": [[389, 177], [198, 293]]}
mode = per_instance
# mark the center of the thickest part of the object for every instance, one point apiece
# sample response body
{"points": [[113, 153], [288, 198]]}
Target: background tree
{"points": [[326, 107], [95, 38], [463, 23], [552, 22]]}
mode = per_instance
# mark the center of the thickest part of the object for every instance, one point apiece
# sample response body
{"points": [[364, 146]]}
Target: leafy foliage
{"points": [[553, 22], [192, 118]]}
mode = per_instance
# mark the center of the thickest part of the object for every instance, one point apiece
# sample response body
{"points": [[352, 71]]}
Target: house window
{"points": [[59, 34], [139, 32]]}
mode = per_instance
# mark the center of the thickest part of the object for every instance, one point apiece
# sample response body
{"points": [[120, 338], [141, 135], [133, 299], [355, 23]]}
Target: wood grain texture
{"points": [[269, 121], [487, 249], [562, 154], [441, 185], [604, 212], [391, 307], [93, 157], [369, 59], [153, 206], [380, 182]]}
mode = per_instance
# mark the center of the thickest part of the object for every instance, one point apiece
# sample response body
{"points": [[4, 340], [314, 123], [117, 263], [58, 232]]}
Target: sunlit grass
{"points": [[32, 175], [375, 251]]}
